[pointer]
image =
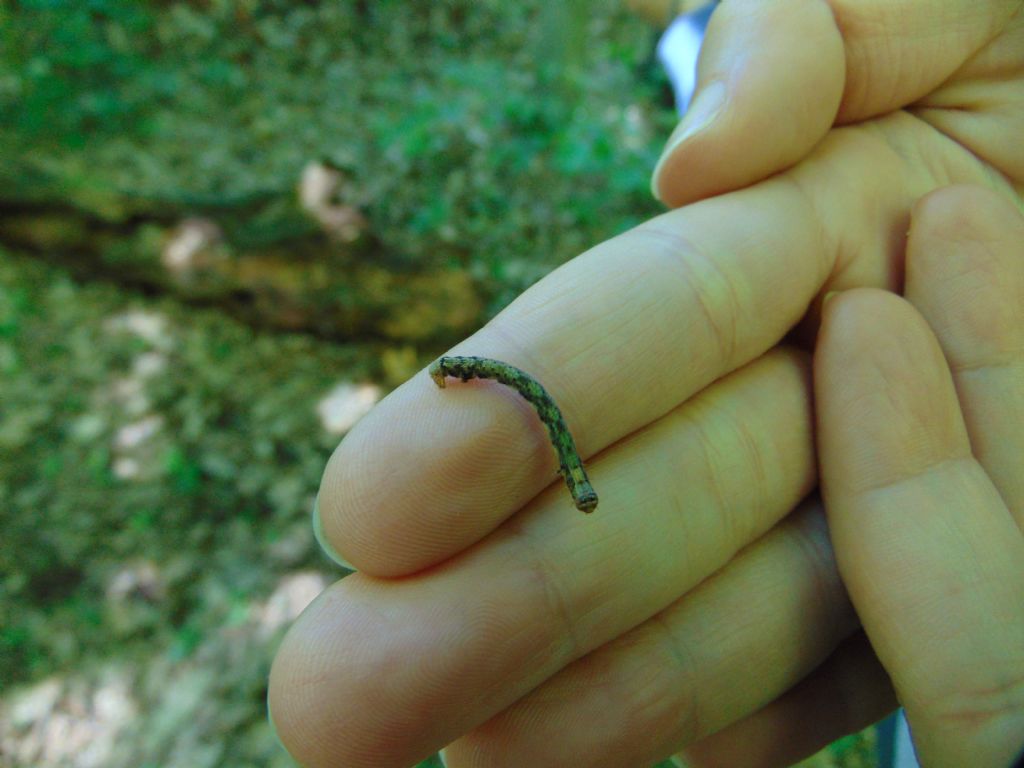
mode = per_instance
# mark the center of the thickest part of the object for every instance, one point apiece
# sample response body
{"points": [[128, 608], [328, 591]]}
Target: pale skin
{"points": [[490, 616]]}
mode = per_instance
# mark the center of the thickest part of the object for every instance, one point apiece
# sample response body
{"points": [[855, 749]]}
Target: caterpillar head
{"points": [[586, 500], [436, 373]]}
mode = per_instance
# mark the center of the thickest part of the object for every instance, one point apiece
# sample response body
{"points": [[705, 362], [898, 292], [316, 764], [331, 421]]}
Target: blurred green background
{"points": [[226, 229]]}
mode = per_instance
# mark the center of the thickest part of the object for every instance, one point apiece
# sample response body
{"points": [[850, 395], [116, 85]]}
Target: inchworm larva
{"points": [[569, 462]]}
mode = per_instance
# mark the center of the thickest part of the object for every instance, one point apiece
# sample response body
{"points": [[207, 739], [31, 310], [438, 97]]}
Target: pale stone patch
{"points": [[152, 327], [149, 364], [290, 598], [70, 723], [345, 405], [318, 194], [126, 468], [191, 246], [140, 579], [130, 395], [317, 184], [138, 432]]}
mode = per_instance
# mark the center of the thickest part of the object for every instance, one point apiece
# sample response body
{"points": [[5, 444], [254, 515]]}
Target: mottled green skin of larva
{"points": [[569, 462]]}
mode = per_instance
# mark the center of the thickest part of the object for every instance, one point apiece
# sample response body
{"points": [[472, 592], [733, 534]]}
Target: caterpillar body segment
{"points": [[570, 465]]}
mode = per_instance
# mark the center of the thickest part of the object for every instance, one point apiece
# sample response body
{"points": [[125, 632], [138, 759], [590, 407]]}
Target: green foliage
{"points": [[135, 433], [467, 136], [102, 462], [140, 438]]}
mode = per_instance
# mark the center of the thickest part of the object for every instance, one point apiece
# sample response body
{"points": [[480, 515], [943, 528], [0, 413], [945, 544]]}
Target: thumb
{"points": [[773, 77], [769, 82]]}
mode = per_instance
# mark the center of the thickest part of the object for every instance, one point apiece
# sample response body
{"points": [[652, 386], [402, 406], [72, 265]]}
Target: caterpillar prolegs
{"points": [[569, 462]]}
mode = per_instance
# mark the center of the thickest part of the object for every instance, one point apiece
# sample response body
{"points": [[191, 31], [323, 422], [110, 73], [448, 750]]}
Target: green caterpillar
{"points": [[569, 462]]}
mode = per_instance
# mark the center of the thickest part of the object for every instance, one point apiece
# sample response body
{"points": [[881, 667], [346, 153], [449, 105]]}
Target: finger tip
{"points": [[296, 709], [864, 328], [367, 516], [273, 725], [961, 212], [324, 682], [856, 311], [670, 183], [683, 174], [421, 478], [884, 398], [324, 541], [667, 182], [963, 273], [286, 708], [656, 182]]}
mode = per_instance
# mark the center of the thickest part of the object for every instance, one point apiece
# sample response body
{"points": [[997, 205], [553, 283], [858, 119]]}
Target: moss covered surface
{"points": [[157, 468], [468, 139]]}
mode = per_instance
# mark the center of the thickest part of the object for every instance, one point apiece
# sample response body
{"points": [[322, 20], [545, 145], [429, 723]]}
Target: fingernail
{"points": [[702, 112], [318, 532]]}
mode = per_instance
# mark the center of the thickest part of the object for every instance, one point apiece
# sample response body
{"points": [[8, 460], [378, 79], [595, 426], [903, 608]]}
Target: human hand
{"points": [[544, 637], [921, 473], [474, 602], [463, 623]]}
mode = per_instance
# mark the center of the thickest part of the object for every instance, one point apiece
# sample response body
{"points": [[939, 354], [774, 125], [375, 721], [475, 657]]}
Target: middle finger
{"points": [[619, 336], [719, 653]]}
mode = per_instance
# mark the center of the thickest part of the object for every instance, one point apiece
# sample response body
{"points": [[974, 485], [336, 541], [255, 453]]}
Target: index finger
{"points": [[619, 337]]}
